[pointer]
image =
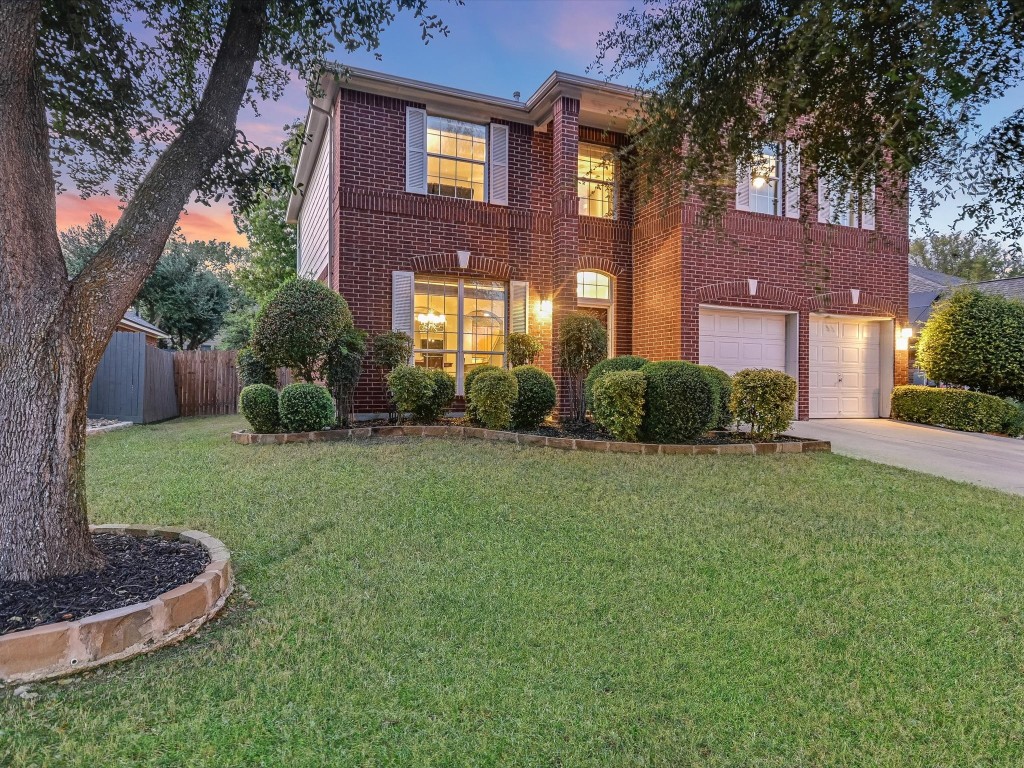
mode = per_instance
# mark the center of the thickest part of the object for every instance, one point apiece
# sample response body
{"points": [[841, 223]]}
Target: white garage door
{"points": [[844, 368], [734, 340]]}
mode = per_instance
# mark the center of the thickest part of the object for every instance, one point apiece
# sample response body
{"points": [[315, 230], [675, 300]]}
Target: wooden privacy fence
{"points": [[134, 382], [207, 383]]}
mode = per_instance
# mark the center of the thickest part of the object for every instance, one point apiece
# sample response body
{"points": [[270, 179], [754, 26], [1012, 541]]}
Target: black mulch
{"points": [[137, 570]]}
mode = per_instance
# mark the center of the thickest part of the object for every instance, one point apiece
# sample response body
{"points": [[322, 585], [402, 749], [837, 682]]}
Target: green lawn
{"points": [[441, 603]]}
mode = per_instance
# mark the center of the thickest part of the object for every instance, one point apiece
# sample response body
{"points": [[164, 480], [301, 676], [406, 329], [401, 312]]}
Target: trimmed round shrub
{"points": [[468, 388], [620, 363], [536, 396], [411, 389], [297, 326], [258, 403], [723, 381], [765, 399], [582, 344], [959, 409], [975, 340], [680, 404], [522, 349], [618, 403], [306, 407], [252, 370], [441, 400], [494, 396], [392, 349]]}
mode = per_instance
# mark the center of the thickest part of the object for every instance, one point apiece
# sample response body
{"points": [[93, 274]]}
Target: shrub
{"points": [[959, 409], [306, 407], [411, 389], [536, 396], [258, 403], [468, 388], [522, 349], [392, 349], [1014, 424], [621, 363], [441, 400], [582, 343], [723, 381], [494, 395], [252, 370], [298, 324], [680, 403], [618, 403], [975, 340], [765, 399], [343, 365]]}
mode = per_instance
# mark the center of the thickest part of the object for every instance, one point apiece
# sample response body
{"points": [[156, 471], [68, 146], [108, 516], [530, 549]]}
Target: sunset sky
{"points": [[495, 47]]}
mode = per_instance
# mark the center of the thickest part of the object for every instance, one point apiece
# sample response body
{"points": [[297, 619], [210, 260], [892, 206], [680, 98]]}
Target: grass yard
{"points": [[449, 603]]}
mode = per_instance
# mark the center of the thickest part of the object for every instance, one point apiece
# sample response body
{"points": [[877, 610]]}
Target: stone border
{"points": [[520, 438], [108, 428], [54, 650]]}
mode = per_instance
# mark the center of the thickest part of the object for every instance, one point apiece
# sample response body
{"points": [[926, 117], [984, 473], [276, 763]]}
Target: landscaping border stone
{"points": [[66, 647], [521, 438], [108, 428]]}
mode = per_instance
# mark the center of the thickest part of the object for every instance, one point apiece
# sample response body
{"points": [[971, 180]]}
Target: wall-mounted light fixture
{"points": [[903, 336], [544, 309]]}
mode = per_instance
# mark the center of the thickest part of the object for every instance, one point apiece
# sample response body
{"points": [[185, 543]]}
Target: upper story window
{"points": [[456, 158], [770, 183], [846, 207], [596, 181]]}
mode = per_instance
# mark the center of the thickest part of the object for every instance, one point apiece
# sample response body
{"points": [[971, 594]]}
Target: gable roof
{"points": [[1010, 287], [924, 280], [133, 322]]}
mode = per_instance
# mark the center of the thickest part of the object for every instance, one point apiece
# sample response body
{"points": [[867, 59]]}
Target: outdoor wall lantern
{"points": [[903, 336], [544, 310]]}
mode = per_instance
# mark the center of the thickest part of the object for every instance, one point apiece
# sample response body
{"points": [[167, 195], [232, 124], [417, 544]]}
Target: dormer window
{"points": [[456, 158]]}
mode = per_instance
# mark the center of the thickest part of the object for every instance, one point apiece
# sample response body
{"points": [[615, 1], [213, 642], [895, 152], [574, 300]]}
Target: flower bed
{"points": [[720, 445], [55, 649]]}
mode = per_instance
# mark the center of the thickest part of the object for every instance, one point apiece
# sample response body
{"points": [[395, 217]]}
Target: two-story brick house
{"points": [[459, 218]]}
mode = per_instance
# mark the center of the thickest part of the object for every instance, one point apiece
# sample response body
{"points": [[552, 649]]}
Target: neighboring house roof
{"points": [[923, 279], [1010, 287], [132, 322]]}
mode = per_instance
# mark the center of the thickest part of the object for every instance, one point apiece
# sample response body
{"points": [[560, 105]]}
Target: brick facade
{"points": [[664, 262]]}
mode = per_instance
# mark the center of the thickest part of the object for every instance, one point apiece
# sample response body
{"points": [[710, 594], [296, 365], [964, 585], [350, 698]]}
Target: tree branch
{"points": [[107, 286]]}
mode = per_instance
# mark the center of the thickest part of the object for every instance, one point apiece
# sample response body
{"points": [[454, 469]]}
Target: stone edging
{"points": [[108, 428], [54, 650], [520, 438]]}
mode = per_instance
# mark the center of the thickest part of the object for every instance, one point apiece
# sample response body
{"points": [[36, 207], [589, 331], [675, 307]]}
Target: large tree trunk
{"points": [[53, 331]]}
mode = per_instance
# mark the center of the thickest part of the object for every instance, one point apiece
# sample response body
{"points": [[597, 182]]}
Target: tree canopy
{"points": [[871, 90], [966, 255]]}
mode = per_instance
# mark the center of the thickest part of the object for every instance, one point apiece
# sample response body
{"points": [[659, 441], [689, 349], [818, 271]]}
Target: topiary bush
{"points": [[298, 324], [765, 399], [441, 400], [258, 403], [723, 381], [680, 403], [975, 340], [411, 389], [582, 344], [390, 350], [618, 403], [494, 396], [522, 349], [959, 409], [306, 407], [343, 365], [253, 370], [467, 387], [536, 396], [620, 363]]}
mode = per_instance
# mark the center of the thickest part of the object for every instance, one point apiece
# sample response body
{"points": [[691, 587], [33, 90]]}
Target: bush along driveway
{"points": [[992, 461], [443, 602]]}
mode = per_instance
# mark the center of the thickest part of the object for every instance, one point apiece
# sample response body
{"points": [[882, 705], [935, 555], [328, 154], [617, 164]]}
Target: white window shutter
{"points": [[792, 183], [519, 306], [497, 172], [867, 214], [742, 187], [824, 204], [403, 286], [416, 150]]}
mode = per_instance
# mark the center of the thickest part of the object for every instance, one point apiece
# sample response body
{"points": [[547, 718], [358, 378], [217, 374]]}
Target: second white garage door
{"points": [[844, 368], [734, 340]]}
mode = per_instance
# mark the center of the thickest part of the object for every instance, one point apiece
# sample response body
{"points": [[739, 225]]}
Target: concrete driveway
{"points": [[994, 462]]}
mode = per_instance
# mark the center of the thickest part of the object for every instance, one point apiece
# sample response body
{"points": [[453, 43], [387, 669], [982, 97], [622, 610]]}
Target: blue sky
{"points": [[494, 47]]}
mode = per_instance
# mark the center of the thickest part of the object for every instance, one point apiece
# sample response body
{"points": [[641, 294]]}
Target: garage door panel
{"points": [[844, 378], [734, 340]]}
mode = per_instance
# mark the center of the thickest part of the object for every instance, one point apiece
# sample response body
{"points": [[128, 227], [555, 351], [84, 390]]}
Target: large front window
{"points": [[459, 324], [596, 181], [456, 158]]}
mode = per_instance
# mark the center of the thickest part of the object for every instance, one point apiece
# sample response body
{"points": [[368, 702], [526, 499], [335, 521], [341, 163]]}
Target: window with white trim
{"points": [[765, 177], [596, 181], [845, 206], [594, 292], [458, 324], [456, 158]]}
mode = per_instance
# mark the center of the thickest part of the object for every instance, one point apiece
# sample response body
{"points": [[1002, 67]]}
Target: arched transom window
{"points": [[593, 287]]}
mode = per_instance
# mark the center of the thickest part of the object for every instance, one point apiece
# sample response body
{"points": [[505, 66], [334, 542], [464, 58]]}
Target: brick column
{"points": [[565, 226]]}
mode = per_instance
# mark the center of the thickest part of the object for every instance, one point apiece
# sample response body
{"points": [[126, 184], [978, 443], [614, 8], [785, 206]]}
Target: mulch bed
{"points": [[137, 570]]}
